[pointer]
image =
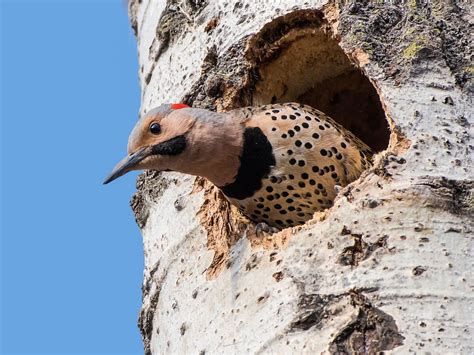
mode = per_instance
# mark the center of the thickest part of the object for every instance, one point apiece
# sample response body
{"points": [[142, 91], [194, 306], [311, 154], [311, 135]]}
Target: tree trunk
{"points": [[389, 266]]}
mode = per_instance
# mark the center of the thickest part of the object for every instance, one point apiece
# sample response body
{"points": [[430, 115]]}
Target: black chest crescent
{"points": [[255, 163]]}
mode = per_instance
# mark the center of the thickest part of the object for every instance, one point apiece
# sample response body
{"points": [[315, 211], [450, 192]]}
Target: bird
{"points": [[277, 163]]}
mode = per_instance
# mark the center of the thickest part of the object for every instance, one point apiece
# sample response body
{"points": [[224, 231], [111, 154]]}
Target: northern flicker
{"points": [[277, 163]]}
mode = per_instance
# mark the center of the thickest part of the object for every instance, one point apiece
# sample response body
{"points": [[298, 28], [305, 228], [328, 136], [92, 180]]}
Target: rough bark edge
{"points": [[132, 15], [220, 219], [147, 314]]}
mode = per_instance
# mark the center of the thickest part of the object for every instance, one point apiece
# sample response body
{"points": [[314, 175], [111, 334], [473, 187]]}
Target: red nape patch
{"points": [[178, 106]]}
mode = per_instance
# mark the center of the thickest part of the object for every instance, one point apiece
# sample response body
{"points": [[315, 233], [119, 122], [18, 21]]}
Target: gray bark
{"points": [[388, 268]]}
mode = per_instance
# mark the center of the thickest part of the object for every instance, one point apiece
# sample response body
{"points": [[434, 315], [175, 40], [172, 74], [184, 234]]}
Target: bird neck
{"points": [[217, 141]]}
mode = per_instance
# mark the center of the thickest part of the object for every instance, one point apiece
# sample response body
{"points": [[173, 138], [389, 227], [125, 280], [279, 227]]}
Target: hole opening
{"points": [[311, 68]]}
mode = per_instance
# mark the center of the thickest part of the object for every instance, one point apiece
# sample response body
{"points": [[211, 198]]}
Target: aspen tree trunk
{"points": [[389, 267]]}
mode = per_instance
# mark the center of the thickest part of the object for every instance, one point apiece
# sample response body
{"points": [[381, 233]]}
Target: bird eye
{"points": [[155, 128]]}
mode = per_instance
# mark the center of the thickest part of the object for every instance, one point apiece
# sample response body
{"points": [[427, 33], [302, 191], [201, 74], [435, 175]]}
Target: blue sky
{"points": [[71, 253]]}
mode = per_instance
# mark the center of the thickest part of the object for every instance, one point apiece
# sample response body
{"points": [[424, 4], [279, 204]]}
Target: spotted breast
{"points": [[293, 158]]}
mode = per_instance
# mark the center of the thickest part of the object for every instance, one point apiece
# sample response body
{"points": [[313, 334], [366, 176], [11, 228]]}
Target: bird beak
{"points": [[127, 164]]}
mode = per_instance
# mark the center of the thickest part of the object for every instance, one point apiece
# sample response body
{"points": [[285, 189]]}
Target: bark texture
{"points": [[389, 267]]}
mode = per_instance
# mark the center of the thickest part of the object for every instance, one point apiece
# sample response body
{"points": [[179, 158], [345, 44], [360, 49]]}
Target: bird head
{"points": [[176, 137], [156, 138]]}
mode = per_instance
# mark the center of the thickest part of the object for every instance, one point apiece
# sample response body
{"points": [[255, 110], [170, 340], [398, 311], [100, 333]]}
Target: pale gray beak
{"points": [[128, 163]]}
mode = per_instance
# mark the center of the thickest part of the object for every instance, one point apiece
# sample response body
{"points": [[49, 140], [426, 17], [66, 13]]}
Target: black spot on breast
{"points": [[255, 163]]}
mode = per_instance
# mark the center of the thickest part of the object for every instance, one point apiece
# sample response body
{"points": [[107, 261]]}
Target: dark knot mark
{"points": [[255, 163]]}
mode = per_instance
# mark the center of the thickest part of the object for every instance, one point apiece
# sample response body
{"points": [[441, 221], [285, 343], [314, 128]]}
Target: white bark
{"points": [[389, 267]]}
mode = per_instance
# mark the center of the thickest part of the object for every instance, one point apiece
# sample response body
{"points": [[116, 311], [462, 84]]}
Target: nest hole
{"points": [[312, 68]]}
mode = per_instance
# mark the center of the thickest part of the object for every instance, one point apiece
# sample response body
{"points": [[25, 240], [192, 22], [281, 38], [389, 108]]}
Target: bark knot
{"points": [[370, 332]]}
